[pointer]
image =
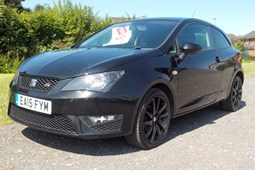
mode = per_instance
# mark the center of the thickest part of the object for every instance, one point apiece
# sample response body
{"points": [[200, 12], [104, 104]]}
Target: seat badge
{"points": [[47, 85], [33, 83]]}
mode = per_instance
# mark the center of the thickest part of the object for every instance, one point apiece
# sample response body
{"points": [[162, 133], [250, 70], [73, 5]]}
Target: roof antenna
{"points": [[193, 13], [214, 20]]}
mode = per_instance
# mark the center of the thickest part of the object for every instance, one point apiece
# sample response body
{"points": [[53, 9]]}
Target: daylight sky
{"points": [[233, 16]]}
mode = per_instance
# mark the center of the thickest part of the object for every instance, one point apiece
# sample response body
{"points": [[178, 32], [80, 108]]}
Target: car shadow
{"points": [[197, 119], [118, 146]]}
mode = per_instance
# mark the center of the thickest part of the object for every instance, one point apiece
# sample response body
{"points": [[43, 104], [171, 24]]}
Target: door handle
{"points": [[217, 59]]}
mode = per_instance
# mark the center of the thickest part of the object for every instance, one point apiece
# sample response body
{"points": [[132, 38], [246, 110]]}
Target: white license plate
{"points": [[31, 103]]}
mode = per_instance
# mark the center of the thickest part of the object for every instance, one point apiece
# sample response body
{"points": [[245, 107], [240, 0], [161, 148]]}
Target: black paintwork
{"points": [[202, 79], [76, 62]]}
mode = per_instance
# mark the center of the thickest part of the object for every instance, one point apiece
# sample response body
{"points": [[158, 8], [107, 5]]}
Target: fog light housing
{"points": [[102, 119], [98, 124]]}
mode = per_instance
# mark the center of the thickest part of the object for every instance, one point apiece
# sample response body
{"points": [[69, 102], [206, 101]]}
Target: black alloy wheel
{"points": [[232, 103], [153, 120], [237, 93], [156, 119]]}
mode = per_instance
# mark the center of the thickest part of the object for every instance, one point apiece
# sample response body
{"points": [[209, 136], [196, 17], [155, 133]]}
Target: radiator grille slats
{"points": [[42, 84], [56, 122]]}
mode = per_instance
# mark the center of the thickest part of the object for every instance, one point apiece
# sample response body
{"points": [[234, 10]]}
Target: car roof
{"points": [[163, 18], [176, 19]]}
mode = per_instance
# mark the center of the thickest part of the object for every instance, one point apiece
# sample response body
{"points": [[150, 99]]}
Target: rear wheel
{"points": [[152, 120], [232, 103]]}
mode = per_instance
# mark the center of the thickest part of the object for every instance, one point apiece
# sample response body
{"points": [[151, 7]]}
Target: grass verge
{"points": [[249, 69], [5, 80]]}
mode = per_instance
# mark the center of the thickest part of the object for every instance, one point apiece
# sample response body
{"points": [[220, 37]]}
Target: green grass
{"points": [[5, 80], [249, 69]]}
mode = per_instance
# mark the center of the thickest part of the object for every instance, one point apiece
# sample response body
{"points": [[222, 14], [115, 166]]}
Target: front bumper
{"points": [[70, 111]]}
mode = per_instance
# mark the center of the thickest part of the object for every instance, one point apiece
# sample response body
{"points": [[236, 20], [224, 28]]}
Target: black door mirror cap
{"points": [[189, 48]]}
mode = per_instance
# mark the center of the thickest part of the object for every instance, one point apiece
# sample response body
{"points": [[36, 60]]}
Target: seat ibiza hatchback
{"points": [[129, 79]]}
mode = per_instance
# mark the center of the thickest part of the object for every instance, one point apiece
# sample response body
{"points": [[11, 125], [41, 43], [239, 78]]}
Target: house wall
{"points": [[250, 42], [251, 52]]}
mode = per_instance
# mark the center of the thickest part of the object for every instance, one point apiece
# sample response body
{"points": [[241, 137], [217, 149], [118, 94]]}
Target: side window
{"points": [[220, 40], [196, 33]]}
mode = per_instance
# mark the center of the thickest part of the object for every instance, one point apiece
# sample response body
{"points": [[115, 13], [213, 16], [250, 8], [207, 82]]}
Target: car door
{"points": [[198, 78], [226, 57]]}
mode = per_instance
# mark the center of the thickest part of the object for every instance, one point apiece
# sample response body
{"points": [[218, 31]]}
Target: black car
{"points": [[129, 79]]}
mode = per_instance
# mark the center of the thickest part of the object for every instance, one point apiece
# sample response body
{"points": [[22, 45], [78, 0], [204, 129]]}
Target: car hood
{"points": [[76, 62]]}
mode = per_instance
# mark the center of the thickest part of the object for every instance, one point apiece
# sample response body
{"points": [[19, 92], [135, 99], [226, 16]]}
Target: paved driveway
{"points": [[206, 139]]}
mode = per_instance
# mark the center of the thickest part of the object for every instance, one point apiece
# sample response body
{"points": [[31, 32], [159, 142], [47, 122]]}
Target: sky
{"points": [[233, 16]]}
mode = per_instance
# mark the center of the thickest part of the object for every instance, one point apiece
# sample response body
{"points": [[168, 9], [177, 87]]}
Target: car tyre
{"points": [[232, 103], [152, 121]]}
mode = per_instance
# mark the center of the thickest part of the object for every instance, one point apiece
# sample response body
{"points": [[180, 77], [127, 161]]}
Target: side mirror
{"points": [[187, 49]]}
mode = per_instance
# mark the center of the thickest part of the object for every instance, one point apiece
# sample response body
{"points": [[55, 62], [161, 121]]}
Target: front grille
{"points": [[41, 120], [110, 126], [42, 84]]}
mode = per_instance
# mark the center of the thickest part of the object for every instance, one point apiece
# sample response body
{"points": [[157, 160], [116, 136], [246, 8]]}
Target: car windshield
{"points": [[132, 34]]}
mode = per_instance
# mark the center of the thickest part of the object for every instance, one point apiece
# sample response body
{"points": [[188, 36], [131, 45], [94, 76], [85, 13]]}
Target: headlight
{"points": [[101, 82], [15, 78]]}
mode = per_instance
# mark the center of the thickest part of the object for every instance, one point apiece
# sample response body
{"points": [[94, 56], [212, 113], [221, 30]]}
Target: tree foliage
{"points": [[15, 4], [240, 46], [23, 34], [39, 7], [13, 32]]}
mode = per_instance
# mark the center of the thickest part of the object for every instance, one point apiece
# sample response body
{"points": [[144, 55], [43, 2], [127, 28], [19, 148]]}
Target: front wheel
{"points": [[152, 120], [232, 103]]}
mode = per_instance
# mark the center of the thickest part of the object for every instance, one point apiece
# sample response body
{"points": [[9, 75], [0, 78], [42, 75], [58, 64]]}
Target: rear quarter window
{"points": [[220, 40]]}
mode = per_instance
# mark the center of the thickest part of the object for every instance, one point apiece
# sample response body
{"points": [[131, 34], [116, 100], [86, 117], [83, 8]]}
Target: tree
{"points": [[240, 46], [25, 33], [2, 8], [13, 33], [39, 7], [15, 4]]}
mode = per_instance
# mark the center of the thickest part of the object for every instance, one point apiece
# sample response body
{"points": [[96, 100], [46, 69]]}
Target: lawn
{"points": [[249, 69], [5, 79]]}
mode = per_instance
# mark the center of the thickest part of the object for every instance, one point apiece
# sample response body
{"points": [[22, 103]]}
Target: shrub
{"points": [[8, 65], [24, 33], [13, 33]]}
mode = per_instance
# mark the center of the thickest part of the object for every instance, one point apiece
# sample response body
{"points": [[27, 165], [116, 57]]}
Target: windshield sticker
{"points": [[120, 35]]}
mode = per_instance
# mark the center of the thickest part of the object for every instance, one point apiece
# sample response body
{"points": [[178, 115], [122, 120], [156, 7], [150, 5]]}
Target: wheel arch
{"points": [[166, 87], [134, 138], [240, 74], [168, 92], [237, 73]]}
